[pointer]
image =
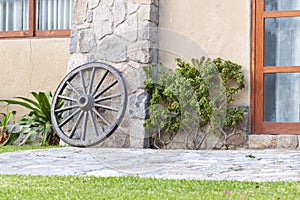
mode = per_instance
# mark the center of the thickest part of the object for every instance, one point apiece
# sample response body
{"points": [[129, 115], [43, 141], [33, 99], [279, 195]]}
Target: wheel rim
{"points": [[89, 104]]}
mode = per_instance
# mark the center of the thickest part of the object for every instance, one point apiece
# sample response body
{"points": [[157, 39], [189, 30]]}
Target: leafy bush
{"points": [[194, 96], [38, 120], [5, 120]]}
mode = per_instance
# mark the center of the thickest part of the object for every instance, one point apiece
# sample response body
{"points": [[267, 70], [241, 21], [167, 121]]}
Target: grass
{"points": [[73, 187], [11, 148]]}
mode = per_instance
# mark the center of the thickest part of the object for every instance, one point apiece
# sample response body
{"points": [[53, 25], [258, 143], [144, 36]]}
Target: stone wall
{"points": [[121, 33]]}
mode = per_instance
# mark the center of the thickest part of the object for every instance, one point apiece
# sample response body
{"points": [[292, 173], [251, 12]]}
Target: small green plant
{"points": [[6, 118], [250, 156], [38, 120], [195, 96]]}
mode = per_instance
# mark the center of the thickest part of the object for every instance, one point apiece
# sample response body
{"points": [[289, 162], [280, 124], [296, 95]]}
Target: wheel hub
{"points": [[85, 102]]}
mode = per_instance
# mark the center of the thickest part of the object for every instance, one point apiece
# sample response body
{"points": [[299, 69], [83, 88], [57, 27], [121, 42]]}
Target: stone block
{"points": [[245, 124], [87, 41], [83, 26], [287, 141], [132, 79], [132, 8], [119, 11], [93, 3], [73, 41], [143, 77], [272, 141], [89, 17], [63, 144], [103, 21], [178, 142], [112, 48], [148, 13], [135, 65], [148, 31], [238, 140], [109, 3], [144, 2], [137, 134], [176, 145], [76, 59], [128, 29], [211, 141], [92, 58], [118, 139], [80, 10], [138, 104], [140, 52], [261, 141]]}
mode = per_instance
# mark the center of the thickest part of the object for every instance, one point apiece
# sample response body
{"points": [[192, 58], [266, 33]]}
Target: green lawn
{"points": [[71, 187], [11, 148]]}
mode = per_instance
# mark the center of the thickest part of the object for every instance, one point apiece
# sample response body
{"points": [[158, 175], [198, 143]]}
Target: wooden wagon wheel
{"points": [[89, 104]]}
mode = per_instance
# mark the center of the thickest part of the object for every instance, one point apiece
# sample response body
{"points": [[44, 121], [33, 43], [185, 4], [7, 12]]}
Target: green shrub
{"points": [[194, 97], [38, 120], [6, 119]]}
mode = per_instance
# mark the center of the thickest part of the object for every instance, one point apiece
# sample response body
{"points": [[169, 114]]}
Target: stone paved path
{"points": [[268, 165]]}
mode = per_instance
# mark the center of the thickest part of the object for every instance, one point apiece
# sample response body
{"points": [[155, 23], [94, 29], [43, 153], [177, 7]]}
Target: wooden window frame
{"points": [[258, 125], [32, 32]]}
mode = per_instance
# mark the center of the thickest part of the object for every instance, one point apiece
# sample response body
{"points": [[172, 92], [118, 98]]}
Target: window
{"points": [[276, 67], [30, 18]]}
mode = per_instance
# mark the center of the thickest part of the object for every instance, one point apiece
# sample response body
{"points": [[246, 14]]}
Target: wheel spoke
{"points": [[100, 82], [73, 88], [84, 127], [69, 118], [66, 108], [82, 82], [106, 107], [66, 98], [107, 98], [106, 88], [76, 125], [101, 117], [93, 123], [92, 80]]}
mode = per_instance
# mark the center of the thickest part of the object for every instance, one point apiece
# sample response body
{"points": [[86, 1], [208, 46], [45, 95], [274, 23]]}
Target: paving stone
{"points": [[265, 165]]}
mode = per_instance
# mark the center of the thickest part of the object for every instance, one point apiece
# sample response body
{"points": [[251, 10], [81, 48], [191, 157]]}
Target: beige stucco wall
{"points": [[31, 65], [220, 28]]}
